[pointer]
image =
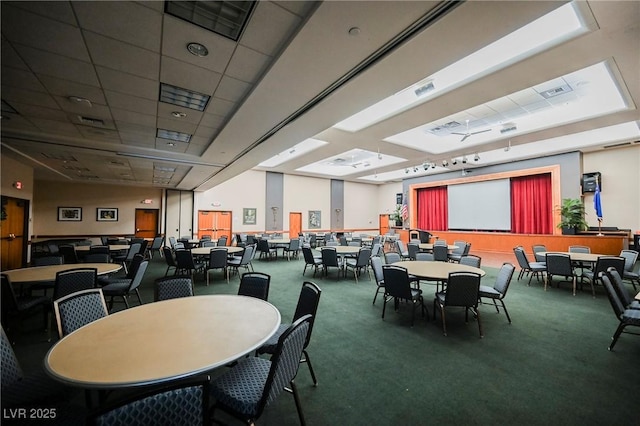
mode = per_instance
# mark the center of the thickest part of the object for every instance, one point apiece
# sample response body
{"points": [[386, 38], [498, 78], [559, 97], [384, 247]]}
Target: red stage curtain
{"points": [[531, 209], [432, 208]]}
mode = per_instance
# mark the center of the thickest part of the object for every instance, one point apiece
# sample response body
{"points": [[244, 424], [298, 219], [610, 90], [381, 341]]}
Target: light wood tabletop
{"points": [[343, 250], [112, 247], [429, 246], [436, 270], [162, 341], [638, 296], [577, 257], [200, 251], [48, 273]]}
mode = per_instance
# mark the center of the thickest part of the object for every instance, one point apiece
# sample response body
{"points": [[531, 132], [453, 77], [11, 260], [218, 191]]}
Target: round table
{"points": [[436, 270], [48, 273], [429, 246], [201, 251], [343, 250], [162, 341], [112, 247], [577, 257]]}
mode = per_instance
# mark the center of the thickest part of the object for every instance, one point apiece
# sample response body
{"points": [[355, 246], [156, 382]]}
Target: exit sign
{"points": [[17, 184]]}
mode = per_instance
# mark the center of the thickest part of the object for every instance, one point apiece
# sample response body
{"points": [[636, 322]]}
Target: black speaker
{"points": [[399, 198], [589, 182]]}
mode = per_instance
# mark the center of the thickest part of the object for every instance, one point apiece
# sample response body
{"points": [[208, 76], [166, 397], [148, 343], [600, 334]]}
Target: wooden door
{"points": [[295, 224], [384, 224], [214, 223], [13, 241], [146, 223]]}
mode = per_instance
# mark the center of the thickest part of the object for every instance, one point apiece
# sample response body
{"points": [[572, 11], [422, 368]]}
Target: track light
{"points": [[433, 165], [425, 165], [464, 159], [476, 157], [415, 169], [406, 170], [454, 161]]}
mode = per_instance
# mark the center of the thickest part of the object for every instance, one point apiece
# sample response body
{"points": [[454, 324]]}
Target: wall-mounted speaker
{"points": [[589, 182]]}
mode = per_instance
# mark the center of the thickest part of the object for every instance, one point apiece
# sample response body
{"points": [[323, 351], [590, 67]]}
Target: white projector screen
{"points": [[482, 206]]}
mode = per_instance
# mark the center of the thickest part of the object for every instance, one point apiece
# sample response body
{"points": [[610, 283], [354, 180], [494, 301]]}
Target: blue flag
{"points": [[597, 204]]}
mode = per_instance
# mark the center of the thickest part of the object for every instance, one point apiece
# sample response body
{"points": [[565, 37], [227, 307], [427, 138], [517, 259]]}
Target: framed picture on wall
{"points": [[106, 214], [314, 219], [249, 216], [69, 214]]}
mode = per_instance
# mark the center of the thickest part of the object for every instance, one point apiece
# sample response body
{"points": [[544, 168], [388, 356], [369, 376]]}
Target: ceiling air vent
{"points": [[617, 145], [510, 127], [443, 129], [556, 91]]}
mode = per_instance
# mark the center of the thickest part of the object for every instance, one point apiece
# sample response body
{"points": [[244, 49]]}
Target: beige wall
{"points": [[302, 194], [48, 196], [360, 206], [620, 195], [13, 171], [387, 197]]}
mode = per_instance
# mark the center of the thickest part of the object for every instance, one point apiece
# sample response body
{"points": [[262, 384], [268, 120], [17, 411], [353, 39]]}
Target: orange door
{"points": [[223, 225], [384, 224], [205, 223], [13, 246], [295, 224], [146, 223]]}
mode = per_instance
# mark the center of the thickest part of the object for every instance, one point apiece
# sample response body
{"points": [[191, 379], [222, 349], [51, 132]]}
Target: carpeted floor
{"points": [[550, 366]]}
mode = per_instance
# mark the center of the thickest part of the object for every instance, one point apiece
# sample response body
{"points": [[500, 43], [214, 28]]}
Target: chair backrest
{"points": [[11, 370], [255, 284], [630, 259], [69, 253], [184, 259], [440, 242], [471, 260], [308, 302], [605, 262], [263, 245], [207, 243], [172, 242], [99, 249], [97, 258], [285, 361], [73, 280], [79, 309], [504, 278], [329, 256], [294, 244], [181, 403], [157, 243], [413, 249], [47, 260], [559, 264], [168, 256], [618, 285], [579, 249], [376, 265], [462, 289], [137, 279], [400, 247], [521, 257], [104, 240], [247, 254], [308, 256], [396, 281], [616, 303], [424, 257], [222, 241], [467, 249], [376, 249], [538, 248], [392, 257], [9, 298], [440, 253], [343, 241], [134, 265], [217, 258], [172, 287], [460, 246], [133, 250], [364, 254], [179, 245]]}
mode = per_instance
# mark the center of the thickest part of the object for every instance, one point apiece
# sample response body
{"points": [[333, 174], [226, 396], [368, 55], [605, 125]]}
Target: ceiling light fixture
{"points": [[454, 161], [79, 99], [464, 159], [179, 114], [445, 163], [197, 49], [508, 148], [476, 157]]}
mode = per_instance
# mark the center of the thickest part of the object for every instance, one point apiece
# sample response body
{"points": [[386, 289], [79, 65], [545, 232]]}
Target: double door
{"points": [[214, 223], [13, 230]]}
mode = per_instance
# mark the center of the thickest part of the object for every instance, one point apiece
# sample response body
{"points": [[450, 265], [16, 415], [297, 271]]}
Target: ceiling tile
{"points": [[58, 10], [137, 129], [55, 126], [124, 21], [247, 64], [15, 94], [211, 120], [131, 103], [269, 28], [188, 76], [121, 56], [22, 79], [192, 116], [50, 64], [39, 112], [57, 86], [133, 85], [232, 89], [33, 30], [221, 107], [171, 146], [176, 125], [95, 110], [10, 57], [133, 117]]}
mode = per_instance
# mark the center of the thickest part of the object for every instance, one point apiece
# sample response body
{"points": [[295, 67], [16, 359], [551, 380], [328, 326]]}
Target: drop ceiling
{"points": [[81, 86]]}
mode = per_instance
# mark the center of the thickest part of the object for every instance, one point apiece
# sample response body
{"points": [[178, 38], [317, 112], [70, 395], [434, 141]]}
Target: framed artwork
{"points": [[314, 219], [249, 216], [69, 214], [106, 214]]}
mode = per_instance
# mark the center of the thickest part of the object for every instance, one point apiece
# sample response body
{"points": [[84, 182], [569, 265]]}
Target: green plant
{"points": [[397, 214], [572, 214]]}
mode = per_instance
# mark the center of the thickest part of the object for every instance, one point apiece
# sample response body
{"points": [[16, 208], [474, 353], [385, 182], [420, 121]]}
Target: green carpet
{"points": [[550, 366]]}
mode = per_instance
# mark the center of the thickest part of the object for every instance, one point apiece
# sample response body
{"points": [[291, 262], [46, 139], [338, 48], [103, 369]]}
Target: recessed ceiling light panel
{"points": [[183, 97], [173, 135]]}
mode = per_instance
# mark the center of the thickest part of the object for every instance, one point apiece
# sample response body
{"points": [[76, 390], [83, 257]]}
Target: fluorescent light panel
{"points": [[173, 135], [183, 97], [556, 27], [297, 150]]}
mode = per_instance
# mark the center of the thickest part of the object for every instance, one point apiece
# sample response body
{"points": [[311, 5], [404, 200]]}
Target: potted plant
{"points": [[397, 215], [572, 216]]}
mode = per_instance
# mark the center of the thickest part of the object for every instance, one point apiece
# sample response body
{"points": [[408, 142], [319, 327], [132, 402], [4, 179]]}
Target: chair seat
{"points": [[240, 388], [269, 346], [629, 275], [538, 266], [111, 281], [488, 291], [116, 287], [35, 388], [631, 316], [28, 302]]}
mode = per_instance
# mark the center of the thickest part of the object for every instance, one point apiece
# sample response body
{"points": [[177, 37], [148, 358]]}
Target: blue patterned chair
{"points": [[78, 309], [173, 287], [462, 291], [499, 289], [184, 403], [245, 390], [254, 284]]}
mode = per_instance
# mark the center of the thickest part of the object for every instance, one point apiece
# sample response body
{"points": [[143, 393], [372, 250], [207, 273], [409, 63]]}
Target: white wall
{"points": [[620, 195], [387, 197], [302, 194], [360, 206]]}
